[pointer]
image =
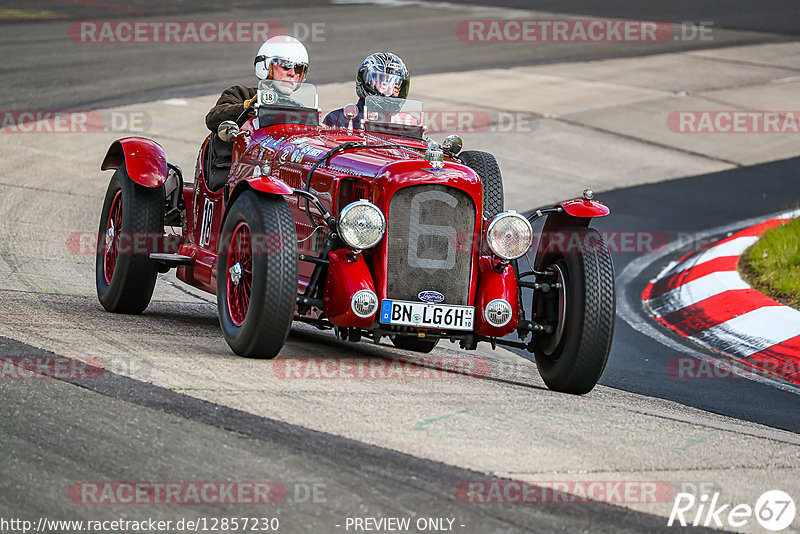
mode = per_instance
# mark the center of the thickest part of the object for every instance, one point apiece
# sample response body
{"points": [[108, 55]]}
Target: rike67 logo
{"points": [[774, 510]]}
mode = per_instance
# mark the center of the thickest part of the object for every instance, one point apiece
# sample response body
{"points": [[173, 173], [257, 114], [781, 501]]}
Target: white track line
{"points": [[734, 247], [772, 324], [693, 292]]}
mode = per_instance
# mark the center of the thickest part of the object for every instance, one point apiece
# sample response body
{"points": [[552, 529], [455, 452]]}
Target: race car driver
{"points": [[280, 58], [381, 74]]}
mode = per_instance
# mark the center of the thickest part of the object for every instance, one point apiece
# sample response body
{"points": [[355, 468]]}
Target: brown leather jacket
{"points": [[229, 106]]}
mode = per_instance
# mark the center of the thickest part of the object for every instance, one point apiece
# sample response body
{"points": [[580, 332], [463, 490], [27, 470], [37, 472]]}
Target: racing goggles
{"points": [[384, 83], [299, 68]]}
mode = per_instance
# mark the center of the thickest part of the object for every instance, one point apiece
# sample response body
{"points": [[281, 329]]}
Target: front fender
{"points": [[579, 207], [144, 160], [268, 184], [577, 214], [262, 184]]}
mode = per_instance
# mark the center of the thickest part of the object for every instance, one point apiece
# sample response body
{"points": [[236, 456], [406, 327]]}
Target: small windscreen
{"points": [[285, 93], [393, 115]]}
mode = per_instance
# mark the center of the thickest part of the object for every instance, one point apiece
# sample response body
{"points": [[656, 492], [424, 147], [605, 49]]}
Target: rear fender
{"points": [[144, 160], [555, 239]]}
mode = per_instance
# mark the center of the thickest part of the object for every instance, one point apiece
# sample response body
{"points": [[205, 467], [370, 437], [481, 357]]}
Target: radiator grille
{"points": [[361, 191], [427, 248]]}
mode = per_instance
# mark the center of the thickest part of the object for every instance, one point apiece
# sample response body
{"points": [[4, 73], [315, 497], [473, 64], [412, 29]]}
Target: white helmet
{"points": [[285, 49]]}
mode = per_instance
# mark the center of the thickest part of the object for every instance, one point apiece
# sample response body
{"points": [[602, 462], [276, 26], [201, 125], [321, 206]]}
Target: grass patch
{"points": [[772, 264]]}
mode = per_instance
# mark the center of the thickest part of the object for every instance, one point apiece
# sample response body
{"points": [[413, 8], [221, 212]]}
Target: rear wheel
{"points": [[132, 217], [257, 272], [415, 344], [485, 165], [581, 310]]}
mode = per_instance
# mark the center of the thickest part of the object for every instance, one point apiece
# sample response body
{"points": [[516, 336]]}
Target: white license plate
{"points": [[425, 315]]}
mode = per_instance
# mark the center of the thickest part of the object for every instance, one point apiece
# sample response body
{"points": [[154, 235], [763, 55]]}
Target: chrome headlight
{"points": [[361, 224], [364, 303], [497, 312], [509, 235]]}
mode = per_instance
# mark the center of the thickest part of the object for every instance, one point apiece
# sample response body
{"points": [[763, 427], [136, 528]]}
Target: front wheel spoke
{"points": [[239, 294]]}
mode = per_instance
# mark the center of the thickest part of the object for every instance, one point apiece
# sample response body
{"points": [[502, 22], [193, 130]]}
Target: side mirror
{"points": [[350, 112], [227, 131]]}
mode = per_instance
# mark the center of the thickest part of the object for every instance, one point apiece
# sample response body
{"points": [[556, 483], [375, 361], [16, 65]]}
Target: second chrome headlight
{"points": [[361, 224], [509, 235]]}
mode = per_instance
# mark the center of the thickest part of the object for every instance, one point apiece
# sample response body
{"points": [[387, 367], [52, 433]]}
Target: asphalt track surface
{"points": [[188, 439], [44, 70], [117, 428]]}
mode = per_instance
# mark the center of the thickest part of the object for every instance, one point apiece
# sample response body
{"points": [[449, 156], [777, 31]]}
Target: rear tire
{"points": [[256, 307], [572, 359], [415, 344], [125, 276], [485, 165]]}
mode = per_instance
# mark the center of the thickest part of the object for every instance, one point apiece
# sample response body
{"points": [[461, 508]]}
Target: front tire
{"points": [[257, 273], [485, 165], [582, 311], [132, 215]]}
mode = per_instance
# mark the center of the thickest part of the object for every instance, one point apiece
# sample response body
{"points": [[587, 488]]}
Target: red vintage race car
{"points": [[377, 232]]}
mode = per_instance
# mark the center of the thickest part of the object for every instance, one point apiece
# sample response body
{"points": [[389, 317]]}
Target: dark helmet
{"points": [[382, 74]]}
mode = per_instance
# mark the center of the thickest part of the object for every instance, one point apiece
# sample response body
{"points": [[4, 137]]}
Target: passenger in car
{"points": [[381, 74]]}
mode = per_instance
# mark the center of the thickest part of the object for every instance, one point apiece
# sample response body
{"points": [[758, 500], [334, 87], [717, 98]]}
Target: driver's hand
{"points": [[249, 102]]}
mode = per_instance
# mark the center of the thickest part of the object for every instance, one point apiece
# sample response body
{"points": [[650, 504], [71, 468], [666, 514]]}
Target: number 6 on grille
{"points": [[417, 229]]}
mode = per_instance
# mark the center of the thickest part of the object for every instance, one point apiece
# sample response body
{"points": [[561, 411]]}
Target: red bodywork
{"points": [[144, 160], [347, 273], [275, 160], [493, 285], [584, 208]]}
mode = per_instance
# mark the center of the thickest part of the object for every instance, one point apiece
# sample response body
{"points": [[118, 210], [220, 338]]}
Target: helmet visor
{"points": [[288, 66], [384, 83]]}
